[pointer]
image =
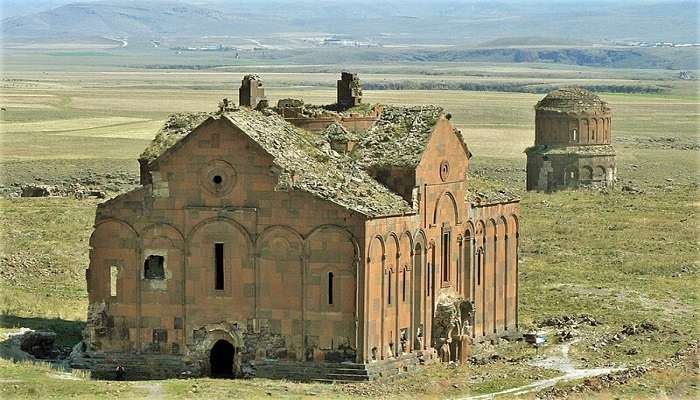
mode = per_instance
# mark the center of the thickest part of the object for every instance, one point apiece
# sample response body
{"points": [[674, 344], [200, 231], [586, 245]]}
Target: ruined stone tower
{"points": [[572, 142], [349, 90], [251, 93]]}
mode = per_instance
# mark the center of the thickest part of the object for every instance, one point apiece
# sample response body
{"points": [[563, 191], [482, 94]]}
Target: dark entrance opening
{"points": [[221, 359]]}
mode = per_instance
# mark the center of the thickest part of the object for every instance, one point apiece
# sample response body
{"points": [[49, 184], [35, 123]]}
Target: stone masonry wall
{"points": [[279, 248]]}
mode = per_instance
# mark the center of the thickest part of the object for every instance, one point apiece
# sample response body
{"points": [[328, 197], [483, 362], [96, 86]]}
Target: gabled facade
{"points": [[255, 248]]}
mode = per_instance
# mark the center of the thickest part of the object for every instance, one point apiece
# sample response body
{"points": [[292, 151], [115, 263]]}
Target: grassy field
{"points": [[622, 257]]}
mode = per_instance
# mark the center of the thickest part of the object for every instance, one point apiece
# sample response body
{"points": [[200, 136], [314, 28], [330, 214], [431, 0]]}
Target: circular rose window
{"points": [[444, 170], [218, 177]]}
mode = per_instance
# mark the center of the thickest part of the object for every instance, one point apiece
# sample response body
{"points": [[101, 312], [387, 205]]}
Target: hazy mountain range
{"points": [[386, 22]]}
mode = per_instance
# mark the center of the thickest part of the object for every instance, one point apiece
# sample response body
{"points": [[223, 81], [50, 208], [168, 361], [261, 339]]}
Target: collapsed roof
{"points": [[481, 192], [572, 99], [306, 161], [398, 138], [176, 127]]}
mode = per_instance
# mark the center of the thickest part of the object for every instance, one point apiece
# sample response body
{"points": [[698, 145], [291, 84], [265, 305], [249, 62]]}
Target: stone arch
{"points": [[347, 233], [279, 251], [514, 243], [221, 331], [419, 317], [375, 297], [409, 237], [515, 225], [328, 328], [166, 241], [233, 223], [226, 279], [113, 243], [389, 288], [420, 238], [490, 277], [468, 260], [215, 333], [277, 230], [392, 243], [108, 222], [585, 131], [453, 202], [504, 267], [586, 174], [594, 130], [377, 242], [405, 290]]}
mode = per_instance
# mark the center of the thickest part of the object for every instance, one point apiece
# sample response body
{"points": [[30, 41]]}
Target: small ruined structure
{"points": [[572, 142], [349, 90], [251, 92], [255, 247]]}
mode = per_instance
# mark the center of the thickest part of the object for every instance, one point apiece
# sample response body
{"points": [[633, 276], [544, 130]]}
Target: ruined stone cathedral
{"points": [[340, 242]]}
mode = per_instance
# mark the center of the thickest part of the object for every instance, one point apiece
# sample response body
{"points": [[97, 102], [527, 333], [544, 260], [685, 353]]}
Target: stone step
{"points": [[347, 377]]}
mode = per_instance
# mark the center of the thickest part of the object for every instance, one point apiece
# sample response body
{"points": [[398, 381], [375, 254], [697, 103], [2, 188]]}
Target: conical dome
{"points": [[572, 99]]}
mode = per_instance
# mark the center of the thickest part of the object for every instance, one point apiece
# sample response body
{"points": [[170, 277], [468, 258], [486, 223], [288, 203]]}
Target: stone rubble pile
{"points": [[318, 169], [175, 128], [398, 138], [75, 190]]}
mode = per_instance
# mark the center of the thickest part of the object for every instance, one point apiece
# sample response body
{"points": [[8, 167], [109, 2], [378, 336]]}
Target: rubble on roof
{"points": [[398, 138], [584, 150], [337, 132], [482, 192], [176, 127], [316, 168], [572, 99]]}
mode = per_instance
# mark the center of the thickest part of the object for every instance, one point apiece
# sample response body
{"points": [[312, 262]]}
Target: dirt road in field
{"points": [[559, 361]]}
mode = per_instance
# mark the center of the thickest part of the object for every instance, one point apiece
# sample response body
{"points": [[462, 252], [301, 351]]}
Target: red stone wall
{"points": [[415, 244], [283, 248], [278, 249], [552, 128]]}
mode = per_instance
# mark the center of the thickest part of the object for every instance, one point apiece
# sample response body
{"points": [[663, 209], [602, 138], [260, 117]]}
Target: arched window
{"points": [[330, 288]]}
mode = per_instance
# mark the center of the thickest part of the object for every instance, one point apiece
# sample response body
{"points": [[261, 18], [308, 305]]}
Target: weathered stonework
{"points": [[572, 142], [349, 90], [255, 247], [252, 93]]}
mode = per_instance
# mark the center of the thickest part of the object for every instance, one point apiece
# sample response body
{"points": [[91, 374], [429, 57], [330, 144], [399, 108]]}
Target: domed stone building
{"points": [[572, 142]]}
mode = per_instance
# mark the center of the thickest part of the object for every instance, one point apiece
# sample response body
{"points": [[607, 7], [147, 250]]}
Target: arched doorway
{"points": [[221, 360]]}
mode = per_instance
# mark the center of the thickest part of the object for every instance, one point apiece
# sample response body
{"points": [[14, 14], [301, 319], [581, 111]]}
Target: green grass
{"points": [[622, 258]]}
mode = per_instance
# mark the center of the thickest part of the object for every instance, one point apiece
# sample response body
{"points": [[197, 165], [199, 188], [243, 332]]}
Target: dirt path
{"points": [[560, 362], [155, 390]]}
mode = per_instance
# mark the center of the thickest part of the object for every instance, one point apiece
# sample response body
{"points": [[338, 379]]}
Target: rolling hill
{"points": [[388, 22]]}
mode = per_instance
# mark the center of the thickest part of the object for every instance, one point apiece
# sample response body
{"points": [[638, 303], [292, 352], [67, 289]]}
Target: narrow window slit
{"points": [[219, 265], [330, 288]]}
